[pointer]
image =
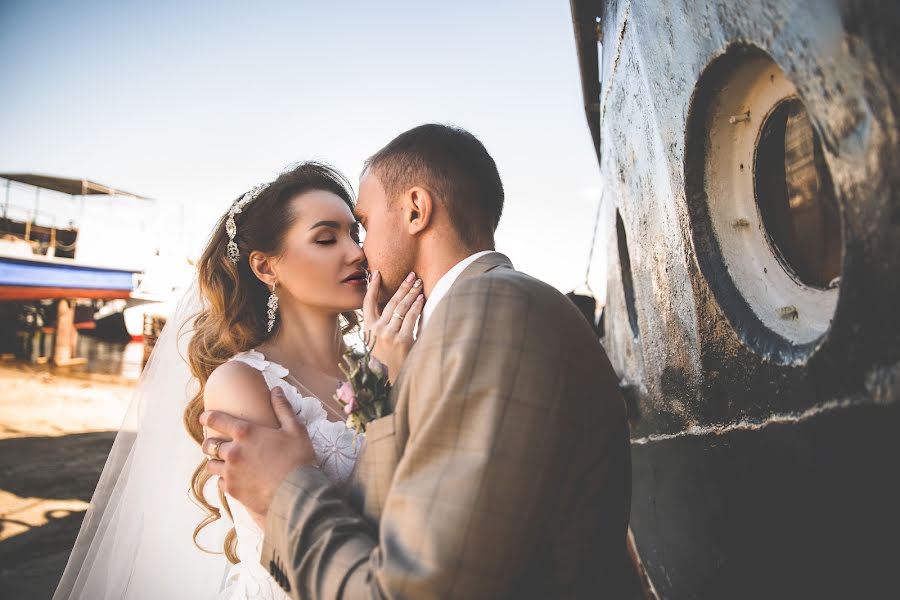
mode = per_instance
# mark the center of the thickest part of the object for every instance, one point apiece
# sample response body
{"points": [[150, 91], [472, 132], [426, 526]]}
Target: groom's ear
{"points": [[419, 210]]}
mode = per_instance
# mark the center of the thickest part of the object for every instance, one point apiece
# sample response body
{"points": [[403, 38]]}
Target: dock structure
{"points": [[41, 274], [750, 156]]}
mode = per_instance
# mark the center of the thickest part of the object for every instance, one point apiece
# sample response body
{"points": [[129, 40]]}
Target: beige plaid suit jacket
{"points": [[503, 471]]}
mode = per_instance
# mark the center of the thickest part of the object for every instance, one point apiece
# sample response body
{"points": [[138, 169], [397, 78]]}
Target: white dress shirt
{"points": [[445, 283]]}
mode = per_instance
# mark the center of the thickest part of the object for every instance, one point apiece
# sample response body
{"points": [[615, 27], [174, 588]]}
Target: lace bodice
{"points": [[336, 453]]}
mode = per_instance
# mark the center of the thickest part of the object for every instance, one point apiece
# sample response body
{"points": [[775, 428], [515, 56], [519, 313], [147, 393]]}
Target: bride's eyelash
{"points": [[326, 242]]}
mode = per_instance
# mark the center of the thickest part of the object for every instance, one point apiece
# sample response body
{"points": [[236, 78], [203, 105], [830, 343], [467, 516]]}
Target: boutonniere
{"points": [[365, 394]]}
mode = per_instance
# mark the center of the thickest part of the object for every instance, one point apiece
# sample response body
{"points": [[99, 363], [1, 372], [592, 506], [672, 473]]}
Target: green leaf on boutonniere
{"points": [[366, 390]]}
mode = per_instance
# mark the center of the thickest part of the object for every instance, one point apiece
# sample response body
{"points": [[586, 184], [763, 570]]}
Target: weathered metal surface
{"points": [[763, 468]]}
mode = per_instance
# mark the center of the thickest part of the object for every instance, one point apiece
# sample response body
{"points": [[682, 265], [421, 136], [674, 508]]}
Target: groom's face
{"points": [[388, 247]]}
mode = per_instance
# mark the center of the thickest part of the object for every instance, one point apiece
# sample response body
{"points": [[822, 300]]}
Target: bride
{"points": [[277, 289]]}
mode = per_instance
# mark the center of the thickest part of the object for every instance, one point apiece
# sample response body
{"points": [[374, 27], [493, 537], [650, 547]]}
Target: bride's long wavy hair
{"points": [[233, 318]]}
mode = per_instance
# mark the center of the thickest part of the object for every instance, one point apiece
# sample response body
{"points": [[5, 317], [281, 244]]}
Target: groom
{"points": [[504, 470]]}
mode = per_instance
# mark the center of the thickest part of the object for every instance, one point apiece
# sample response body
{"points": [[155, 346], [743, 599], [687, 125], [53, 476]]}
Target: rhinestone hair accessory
{"points": [[233, 252]]}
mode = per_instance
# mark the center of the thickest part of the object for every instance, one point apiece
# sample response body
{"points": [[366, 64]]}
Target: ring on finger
{"points": [[397, 315], [214, 449]]}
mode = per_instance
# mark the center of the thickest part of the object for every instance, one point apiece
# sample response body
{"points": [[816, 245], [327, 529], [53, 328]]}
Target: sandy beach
{"points": [[56, 428]]}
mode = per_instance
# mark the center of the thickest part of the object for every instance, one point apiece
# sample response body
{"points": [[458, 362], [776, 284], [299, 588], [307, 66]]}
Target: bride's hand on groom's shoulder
{"points": [[255, 459], [392, 328]]}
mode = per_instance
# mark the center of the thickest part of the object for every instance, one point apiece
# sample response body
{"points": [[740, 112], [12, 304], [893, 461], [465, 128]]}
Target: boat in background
{"points": [[56, 280], [29, 278], [126, 319]]}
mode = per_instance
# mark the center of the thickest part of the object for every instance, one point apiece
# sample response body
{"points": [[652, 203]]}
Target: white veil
{"points": [[136, 538]]}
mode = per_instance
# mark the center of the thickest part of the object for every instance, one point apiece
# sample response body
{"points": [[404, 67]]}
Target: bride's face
{"points": [[321, 261]]}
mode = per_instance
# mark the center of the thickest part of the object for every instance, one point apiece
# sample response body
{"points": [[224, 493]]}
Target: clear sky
{"points": [[195, 102]]}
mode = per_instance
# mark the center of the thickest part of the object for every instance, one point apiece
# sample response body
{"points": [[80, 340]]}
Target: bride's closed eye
{"points": [[326, 242]]}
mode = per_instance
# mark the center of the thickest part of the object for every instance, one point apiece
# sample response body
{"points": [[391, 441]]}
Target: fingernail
{"points": [[410, 277], [278, 391], [203, 417], [420, 298], [376, 274], [418, 283]]}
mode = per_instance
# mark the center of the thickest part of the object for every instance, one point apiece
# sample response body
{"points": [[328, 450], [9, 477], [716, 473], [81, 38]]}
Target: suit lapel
{"points": [[386, 438]]}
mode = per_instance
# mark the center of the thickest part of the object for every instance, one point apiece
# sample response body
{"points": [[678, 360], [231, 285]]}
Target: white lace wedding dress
{"points": [[335, 454], [136, 540]]}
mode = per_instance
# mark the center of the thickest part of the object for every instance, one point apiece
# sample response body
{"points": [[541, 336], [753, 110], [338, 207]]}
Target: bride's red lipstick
{"points": [[356, 278]]}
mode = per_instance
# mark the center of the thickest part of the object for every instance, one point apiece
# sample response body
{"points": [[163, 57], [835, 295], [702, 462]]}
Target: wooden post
{"points": [[66, 335]]}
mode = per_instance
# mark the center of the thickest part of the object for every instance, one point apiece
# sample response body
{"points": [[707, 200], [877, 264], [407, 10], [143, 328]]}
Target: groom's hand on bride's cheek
{"points": [[257, 458]]}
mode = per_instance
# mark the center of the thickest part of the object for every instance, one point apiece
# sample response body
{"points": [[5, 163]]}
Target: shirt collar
{"points": [[445, 283]]}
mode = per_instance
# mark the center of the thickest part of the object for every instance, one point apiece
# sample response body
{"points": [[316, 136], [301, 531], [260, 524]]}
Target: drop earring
{"points": [[273, 309]]}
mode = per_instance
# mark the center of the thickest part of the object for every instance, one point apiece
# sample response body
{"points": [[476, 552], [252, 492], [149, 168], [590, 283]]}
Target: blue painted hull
{"points": [[24, 278]]}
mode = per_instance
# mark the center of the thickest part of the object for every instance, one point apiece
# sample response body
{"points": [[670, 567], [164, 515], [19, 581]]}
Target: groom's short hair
{"points": [[454, 166]]}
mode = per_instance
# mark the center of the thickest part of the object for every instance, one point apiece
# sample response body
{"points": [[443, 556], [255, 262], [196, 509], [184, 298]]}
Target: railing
{"points": [[44, 241]]}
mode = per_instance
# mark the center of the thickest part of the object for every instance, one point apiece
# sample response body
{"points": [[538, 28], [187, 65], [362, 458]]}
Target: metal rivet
{"points": [[788, 313]]}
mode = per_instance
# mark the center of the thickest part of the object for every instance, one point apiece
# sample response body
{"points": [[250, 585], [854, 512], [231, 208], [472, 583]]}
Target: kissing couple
{"points": [[500, 470]]}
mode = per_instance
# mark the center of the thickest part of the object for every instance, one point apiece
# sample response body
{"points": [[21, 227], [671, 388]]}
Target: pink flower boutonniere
{"points": [[365, 395]]}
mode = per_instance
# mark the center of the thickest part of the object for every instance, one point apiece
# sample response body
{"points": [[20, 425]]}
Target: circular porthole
{"points": [[794, 196], [763, 205]]}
